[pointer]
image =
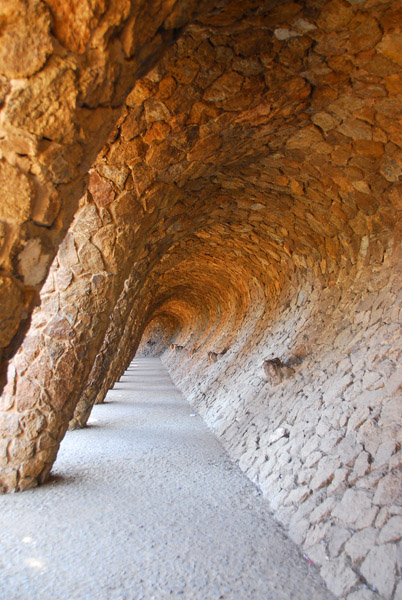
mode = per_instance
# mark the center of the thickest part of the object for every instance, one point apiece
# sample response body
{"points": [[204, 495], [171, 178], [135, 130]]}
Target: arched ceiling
{"points": [[270, 127], [270, 140]]}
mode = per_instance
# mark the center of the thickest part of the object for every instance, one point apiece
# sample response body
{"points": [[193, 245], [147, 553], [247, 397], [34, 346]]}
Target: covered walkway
{"points": [[144, 504]]}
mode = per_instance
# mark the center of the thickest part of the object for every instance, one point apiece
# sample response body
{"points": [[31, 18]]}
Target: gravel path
{"points": [[144, 504]]}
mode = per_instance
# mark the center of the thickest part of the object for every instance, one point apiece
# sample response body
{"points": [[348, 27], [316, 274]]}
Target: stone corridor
{"points": [[216, 184], [145, 504]]}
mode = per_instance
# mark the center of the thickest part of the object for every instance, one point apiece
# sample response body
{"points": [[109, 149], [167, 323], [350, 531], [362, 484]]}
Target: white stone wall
{"points": [[324, 445]]}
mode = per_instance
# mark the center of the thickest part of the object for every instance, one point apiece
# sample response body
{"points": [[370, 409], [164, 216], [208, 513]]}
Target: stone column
{"points": [[97, 383], [64, 78], [50, 369], [47, 376], [121, 340]]}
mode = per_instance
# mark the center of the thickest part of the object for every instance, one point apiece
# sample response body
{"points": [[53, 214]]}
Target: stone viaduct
{"points": [[219, 183]]}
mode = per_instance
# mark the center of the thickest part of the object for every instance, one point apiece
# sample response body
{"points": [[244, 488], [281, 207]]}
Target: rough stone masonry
{"points": [[223, 178]]}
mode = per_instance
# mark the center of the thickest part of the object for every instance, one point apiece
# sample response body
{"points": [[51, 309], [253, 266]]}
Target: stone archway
{"points": [[248, 199]]}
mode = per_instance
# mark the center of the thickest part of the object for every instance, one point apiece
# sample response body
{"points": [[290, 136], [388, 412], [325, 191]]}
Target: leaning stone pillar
{"points": [[119, 345], [108, 240], [47, 375], [109, 349], [60, 98]]}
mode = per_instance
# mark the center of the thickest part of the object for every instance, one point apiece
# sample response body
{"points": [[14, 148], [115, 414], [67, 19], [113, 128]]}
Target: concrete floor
{"points": [[144, 504]]}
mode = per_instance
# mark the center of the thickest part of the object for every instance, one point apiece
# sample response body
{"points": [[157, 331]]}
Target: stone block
{"points": [[340, 481], [335, 387], [379, 569], [313, 459], [204, 149], [32, 423], [3, 452], [353, 506], [360, 544], [304, 476], [298, 495], [338, 576], [384, 453], [45, 106], [14, 183], [348, 449], [63, 278], [356, 129], [90, 258], [325, 473], [361, 466], [58, 328], [389, 489], [391, 412], [298, 529], [323, 510], [317, 554], [391, 531], [11, 307], [330, 440], [336, 540], [224, 87], [20, 448], [317, 533], [358, 417], [391, 47], [27, 483], [8, 479], [9, 425], [382, 517], [67, 254]]}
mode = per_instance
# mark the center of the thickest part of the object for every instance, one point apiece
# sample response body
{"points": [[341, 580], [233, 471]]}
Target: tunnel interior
{"points": [[218, 184]]}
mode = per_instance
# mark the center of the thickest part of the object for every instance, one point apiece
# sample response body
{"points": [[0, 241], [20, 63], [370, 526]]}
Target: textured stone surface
{"points": [[245, 210], [66, 70], [379, 569]]}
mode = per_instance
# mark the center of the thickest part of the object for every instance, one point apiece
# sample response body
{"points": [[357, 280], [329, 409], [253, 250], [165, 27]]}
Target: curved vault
{"points": [[247, 200]]}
